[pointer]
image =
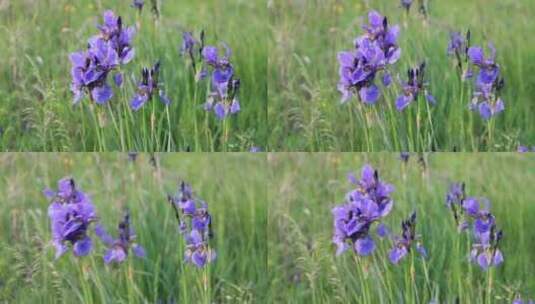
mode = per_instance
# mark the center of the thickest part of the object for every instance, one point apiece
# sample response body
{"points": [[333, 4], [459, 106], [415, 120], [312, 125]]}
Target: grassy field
{"points": [[36, 111], [232, 185], [301, 259], [304, 109]]}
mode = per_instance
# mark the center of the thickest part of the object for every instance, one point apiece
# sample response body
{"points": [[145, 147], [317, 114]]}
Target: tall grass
{"points": [[232, 185], [36, 112], [301, 257], [304, 109]]}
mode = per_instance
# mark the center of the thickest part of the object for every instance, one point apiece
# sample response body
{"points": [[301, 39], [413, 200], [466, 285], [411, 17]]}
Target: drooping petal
{"points": [[235, 106], [118, 79], [219, 110], [397, 253], [138, 101], [370, 94], [403, 101], [364, 246], [82, 247], [102, 94], [138, 250], [476, 55]]}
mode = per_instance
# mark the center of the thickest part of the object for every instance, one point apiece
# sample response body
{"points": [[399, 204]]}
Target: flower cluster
{"points": [[147, 87], [223, 97], [118, 248], [195, 223], [403, 243], [368, 203], [413, 87], [71, 213], [485, 250], [106, 51], [374, 51], [488, 83]]}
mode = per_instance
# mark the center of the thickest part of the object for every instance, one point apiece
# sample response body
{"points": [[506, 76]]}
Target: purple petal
{"points": [[138, 101], [127, 55], [403, 101], [138, 250], [82, 247], [364, 246], [118, 79], [387, 79], [346, 59], [219, 110], [235, 106], [476, 55], [382, 230], [209, 54], [397, 253], [370, 94], [430, 99], [102, 94], [484, 110]]}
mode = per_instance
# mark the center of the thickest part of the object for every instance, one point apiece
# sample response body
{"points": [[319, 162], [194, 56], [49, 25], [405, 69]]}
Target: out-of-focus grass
{"points": [[304, 109], [232, 185], [36, 113], [301, 260]]}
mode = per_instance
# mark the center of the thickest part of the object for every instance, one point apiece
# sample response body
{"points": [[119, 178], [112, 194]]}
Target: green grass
{"points": [[304, 111], [36, 112], [301, 256], [232, 185]]}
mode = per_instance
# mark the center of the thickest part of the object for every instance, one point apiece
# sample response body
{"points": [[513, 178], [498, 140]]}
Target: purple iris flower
{"points": [[403, 243], [458, 48], [374, 51], [138, 4], [255, 149], [369, 202], [195, 223], [525, 149], [485, 251], [223, 97], [71, 212], [488, 83], [118, 248], [413, 87], [105, 53], [147, 87], [193, 48]]}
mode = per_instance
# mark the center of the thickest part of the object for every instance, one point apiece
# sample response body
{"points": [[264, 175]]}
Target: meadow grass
{"points": [[36, 111], [304, 109], [305, 187], [232, 185]]}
